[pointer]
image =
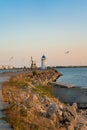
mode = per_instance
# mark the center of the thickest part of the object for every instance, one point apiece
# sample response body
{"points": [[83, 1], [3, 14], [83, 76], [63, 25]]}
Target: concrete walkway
{"points": [[3, 124]]}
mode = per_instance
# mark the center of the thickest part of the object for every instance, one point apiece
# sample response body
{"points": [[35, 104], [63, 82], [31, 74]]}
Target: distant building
{"points": [[1, 67], [33, 64], [43, 62], [6, 67]]}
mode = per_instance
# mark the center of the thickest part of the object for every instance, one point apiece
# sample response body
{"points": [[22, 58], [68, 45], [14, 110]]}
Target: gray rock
{"points": [[54, 109]]}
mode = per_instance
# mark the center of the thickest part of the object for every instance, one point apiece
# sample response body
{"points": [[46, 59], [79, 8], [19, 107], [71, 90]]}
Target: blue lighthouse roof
{"points": [[43, 57]]}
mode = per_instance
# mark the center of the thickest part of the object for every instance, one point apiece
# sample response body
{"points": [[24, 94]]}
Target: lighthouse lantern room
{"points": [[43, 62]]}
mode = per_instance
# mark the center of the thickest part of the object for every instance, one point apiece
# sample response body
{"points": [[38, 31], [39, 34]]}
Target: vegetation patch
{"points": [[18, 83], [34, 72], [43, 90], [23, 112], [33, 126]]}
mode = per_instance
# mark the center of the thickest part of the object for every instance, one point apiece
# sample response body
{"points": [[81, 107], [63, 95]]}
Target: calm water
{"points": [[3, 71], [75, 76]]}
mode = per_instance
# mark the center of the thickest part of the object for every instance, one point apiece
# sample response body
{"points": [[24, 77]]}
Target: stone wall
{"points": [[70, 94]]}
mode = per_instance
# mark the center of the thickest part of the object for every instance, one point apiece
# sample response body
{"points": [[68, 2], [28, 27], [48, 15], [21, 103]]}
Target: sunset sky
{"points": [[36, 27]]}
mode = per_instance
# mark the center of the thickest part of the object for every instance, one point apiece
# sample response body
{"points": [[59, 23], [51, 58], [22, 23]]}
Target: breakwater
{"points": [[31, 103]]}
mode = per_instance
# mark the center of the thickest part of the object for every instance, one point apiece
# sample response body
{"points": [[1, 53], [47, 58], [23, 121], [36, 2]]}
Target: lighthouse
{"points": [[43, 62]]}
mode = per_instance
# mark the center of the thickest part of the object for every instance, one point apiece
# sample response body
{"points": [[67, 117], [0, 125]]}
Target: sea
{"points": [[4, 71], [75, 76]]}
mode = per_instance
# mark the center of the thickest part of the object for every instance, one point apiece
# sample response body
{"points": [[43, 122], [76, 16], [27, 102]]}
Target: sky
{"points": [[36, 27]]}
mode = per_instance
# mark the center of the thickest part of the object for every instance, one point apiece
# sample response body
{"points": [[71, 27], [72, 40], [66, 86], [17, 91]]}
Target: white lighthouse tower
{"points": [[43, 62]]}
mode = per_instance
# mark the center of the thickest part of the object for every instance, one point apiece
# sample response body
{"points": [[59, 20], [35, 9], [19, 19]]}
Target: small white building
{"points": [[43, 62], [2, 67]]}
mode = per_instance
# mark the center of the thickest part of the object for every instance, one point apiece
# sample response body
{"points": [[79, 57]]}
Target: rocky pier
{"points": [[32, 106]]}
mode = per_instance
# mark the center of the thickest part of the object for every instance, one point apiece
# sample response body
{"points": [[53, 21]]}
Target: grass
{"points": [[34, 72], [33, 126], [23, 112], [18, 83], [14, 117], [18, 118], [43, 90], [27, 79]]}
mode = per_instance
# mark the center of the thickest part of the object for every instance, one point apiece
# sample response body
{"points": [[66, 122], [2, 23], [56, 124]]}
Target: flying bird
{"points": [[11, 58], [67, 52]]}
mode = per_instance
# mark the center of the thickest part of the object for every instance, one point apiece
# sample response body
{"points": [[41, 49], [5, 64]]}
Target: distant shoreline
{"points": [[70, 67]]}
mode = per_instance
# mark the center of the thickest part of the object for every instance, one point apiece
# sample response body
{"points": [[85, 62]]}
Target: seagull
{"points": [[67, 52], [11, 58]]}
